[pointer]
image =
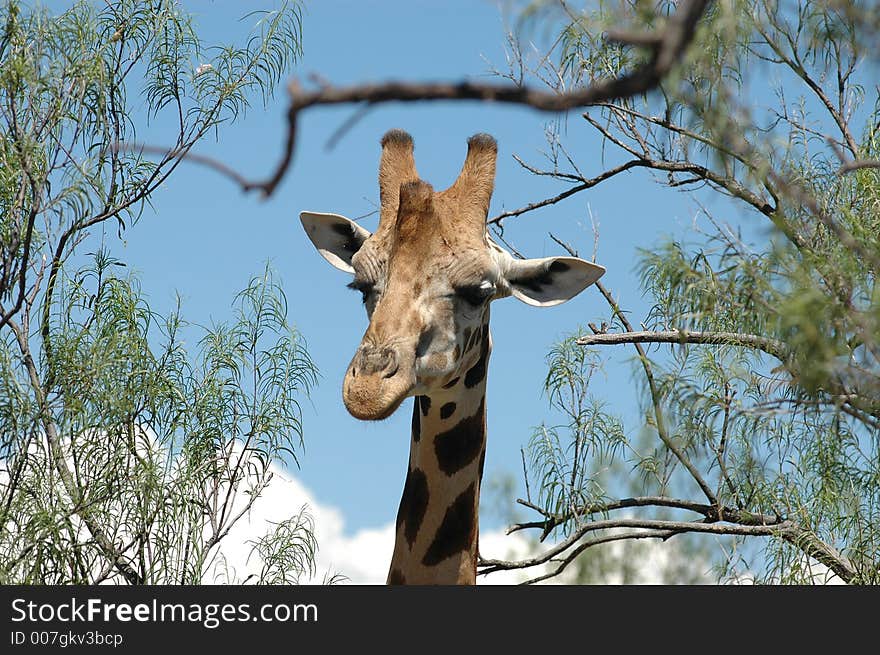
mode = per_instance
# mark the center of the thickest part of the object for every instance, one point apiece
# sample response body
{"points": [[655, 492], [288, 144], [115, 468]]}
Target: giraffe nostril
{"points": [[389, 363], [382, 362]]}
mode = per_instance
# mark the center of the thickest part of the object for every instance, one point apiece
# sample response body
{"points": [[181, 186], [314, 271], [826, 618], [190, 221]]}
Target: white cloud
{"points": [[362, 557]]}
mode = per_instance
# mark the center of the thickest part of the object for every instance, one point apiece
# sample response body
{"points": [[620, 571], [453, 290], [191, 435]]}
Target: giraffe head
{"points": [[428, 275]]}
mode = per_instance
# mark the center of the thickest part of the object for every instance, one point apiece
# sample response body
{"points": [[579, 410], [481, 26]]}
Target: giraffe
{"points": [[427, 276]]}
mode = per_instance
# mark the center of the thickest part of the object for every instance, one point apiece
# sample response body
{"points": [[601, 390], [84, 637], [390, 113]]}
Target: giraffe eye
{"points": [[366, 288], [475, 294]]}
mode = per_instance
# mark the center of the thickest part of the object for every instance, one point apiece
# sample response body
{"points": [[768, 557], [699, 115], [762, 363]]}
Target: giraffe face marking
{"points": [[477, 373], [425, 404], [417, 422]]}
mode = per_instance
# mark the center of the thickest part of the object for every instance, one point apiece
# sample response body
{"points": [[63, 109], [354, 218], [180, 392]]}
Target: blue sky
{"points": [[206, 239]]}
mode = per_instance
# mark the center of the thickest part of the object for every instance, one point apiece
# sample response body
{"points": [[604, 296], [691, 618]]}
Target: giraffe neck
{"points": [[438, 520]]}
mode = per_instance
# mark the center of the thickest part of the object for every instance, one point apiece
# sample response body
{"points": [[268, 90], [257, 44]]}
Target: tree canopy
{"points": [[758, 361], [125, 456]]}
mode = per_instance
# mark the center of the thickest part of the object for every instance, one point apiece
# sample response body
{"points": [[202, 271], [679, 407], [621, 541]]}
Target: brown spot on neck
{"points": [[460, 445], [413, 504], [457, 531]]}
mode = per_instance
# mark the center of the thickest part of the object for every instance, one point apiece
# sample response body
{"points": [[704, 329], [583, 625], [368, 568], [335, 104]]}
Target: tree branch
{"points": [[797, 67], [858, 164], [589, 543], [794, 534], [496, 220], [725, 182], [810, 544], [770, 346], [711, 513], [668, 47], [675, 527]]}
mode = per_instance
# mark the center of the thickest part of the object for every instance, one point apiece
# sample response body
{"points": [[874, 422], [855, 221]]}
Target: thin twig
{"points": [[181, 153], [568, 192], [522, 452], [589, 543]]}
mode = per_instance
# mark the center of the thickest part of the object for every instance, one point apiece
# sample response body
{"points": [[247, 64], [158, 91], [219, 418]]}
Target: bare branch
{"points": [[858, 164], [765, 344], [669, 46], [710, 513], [650, 40], [794, 534], [568, 192], [181, 153], [778, 529], [499, 234], [673, 127], [555, 173], [589, 543], [797, 67], [810, 544], [724, 182]]}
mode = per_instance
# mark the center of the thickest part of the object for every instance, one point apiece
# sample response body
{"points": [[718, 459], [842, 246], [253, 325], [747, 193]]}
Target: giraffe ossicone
{"points": [[427, 276]]}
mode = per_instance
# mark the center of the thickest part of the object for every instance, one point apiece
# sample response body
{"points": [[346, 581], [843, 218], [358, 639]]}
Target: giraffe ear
{"points": [[551, 280], [336, 237]]}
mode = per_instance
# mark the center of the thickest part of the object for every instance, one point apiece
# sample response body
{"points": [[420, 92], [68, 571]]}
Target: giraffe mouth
{"points": [[373, 395], [372, 400]]}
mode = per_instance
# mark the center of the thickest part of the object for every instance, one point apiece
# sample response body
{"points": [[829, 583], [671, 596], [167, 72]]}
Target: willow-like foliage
{"points": [[761, 418], [128, 455]]}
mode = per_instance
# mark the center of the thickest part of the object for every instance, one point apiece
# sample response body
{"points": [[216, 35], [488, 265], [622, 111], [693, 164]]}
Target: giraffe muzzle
{"points": [[376, 383]]}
